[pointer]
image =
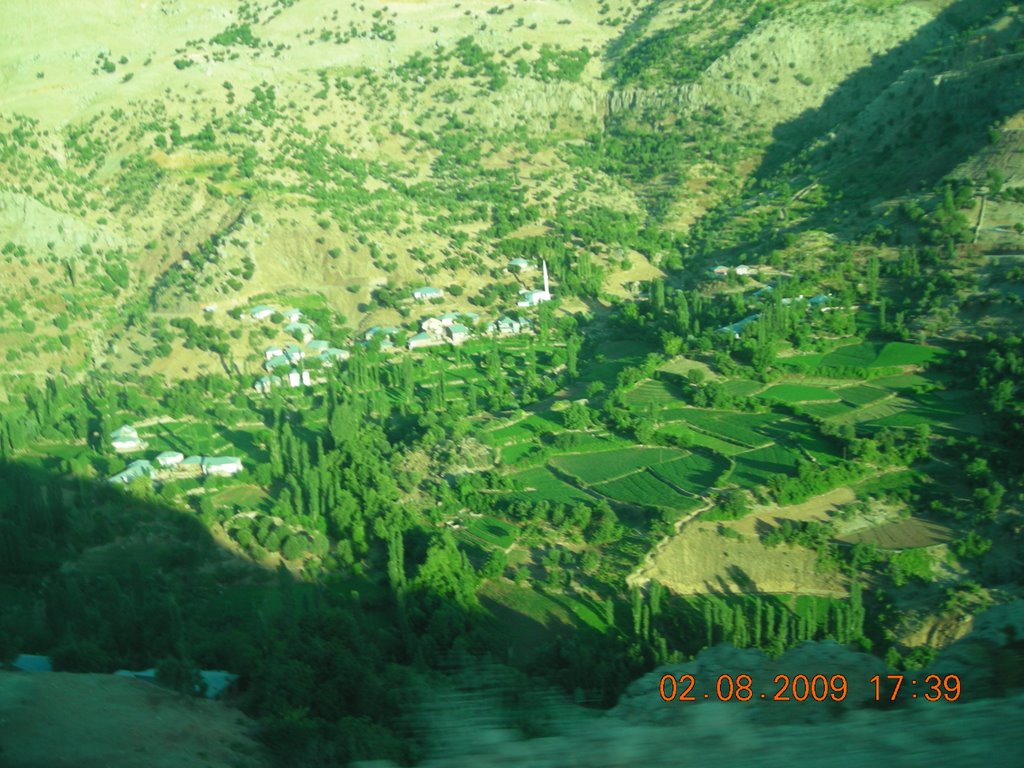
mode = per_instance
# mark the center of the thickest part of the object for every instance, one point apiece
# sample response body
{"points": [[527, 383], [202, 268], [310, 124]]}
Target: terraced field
{"points": [[644, 488], [797, 393], [694, 473], [540, 483], [729, 425], [600, 467]]}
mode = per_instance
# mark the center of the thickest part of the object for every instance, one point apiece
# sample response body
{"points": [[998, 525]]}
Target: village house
{"points": [[317, 345], [458, 333], [333, 355], [380, 330], [304, 331], [533, 298], [222, 465], [262, 312], [126, 440], [424, 340], [433, 325], [294, 353], [170, 459], [743, 269], [426, 293], [291, 315], [507, 326], [821, 300], [737, 328], [520, 265], [32, 663], [271, 352], [297, 378], [138, 468], [191, 465], [276, 362], [720, 271]]}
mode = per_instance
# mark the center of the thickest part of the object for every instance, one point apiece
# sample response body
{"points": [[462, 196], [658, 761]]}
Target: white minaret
{"points": [[547, 287]]}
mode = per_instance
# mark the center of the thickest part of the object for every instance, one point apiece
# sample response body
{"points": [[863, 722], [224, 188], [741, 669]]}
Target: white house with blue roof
{"points": [[427, 292]]}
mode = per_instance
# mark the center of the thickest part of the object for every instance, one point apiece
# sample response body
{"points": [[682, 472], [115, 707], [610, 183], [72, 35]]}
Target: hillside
{"points": [[352, 348], [181, 154], [102, 720]]}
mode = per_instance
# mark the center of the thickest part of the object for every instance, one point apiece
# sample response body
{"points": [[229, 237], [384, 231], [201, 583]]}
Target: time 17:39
{"points": [[933, 687]]}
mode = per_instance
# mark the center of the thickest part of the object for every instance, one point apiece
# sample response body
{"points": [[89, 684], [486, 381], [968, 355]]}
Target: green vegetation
{"points": [[409, 510]]}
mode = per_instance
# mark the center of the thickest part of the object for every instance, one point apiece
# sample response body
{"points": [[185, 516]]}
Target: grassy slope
{"points": [[349, 91]]}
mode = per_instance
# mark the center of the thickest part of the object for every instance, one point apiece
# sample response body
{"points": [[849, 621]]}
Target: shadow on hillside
{"points": [[99, 580], [906, 120], [333, 665]]}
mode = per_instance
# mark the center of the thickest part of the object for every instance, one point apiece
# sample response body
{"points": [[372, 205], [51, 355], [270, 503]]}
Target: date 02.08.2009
{"points": [[814, 688]]}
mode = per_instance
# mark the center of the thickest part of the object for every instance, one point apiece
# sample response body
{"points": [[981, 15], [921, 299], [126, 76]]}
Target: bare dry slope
{"points": [[103, 721]]}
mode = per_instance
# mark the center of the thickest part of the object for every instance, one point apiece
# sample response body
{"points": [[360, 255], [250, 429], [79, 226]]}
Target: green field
{"points": [[704, 440], [542, 608], [757, 466], [199, 439], [861, 394], [598, 467], [803, 362], [868, 354], [493, 531], [651, 391], [645, 488], [795, 393], [901, 353], [729, 425], [510, 454], [694, 473], [827, 410], [741, 387], [546, 486], [524, 429], [245, 496]]}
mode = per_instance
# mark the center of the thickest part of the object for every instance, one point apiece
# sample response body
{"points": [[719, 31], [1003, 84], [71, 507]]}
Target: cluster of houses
{"points": [[819, 302], [288, 365], [742, 269], [126, 439], [449, 328]]}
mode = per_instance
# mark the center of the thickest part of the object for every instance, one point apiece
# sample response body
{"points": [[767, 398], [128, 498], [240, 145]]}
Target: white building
{"points": [[424, 340], [222, 465], [533, 298], [458, 333], [520, 266], [297, 378], [125, 440], [262, 312], [426, 293], [138, 468], [170, 458]]}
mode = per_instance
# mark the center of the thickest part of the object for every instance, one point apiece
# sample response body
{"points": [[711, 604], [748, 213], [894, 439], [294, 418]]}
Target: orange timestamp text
{"points": [[836, 687]]}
